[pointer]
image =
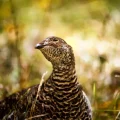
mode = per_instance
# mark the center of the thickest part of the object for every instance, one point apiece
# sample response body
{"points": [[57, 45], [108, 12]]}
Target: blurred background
{"points": [[91, 27]]}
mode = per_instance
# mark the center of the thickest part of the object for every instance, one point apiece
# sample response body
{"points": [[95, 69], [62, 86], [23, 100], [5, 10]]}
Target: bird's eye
{"points": [[55, 40]]}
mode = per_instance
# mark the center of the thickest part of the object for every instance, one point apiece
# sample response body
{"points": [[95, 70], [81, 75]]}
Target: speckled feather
{"points": [[61, 96]]}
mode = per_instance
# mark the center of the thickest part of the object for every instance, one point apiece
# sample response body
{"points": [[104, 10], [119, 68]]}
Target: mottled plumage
{"points": [[61, 96]]}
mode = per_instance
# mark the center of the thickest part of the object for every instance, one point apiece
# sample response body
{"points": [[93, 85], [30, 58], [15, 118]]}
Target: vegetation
{"points": [[91, 27]]}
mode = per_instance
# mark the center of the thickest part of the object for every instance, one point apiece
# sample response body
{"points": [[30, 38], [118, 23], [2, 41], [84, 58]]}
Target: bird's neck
{"points": [[66, 89], [65, 73]]}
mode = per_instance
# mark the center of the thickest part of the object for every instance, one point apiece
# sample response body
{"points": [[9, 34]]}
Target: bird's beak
{"points": [[39, 46]]}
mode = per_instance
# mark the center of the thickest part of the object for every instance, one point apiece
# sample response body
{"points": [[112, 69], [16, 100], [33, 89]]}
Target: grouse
{"points": [[60, 96]]}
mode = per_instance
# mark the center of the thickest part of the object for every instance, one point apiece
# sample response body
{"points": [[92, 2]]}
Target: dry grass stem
{"points": [[39, 87], [37, 116]]}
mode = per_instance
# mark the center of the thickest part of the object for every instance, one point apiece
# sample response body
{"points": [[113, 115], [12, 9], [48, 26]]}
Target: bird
{"points": [[61, 96]]}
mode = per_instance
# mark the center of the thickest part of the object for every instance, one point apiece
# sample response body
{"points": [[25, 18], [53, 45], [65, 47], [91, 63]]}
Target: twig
{"points": [[118, 116], [39, 87], [37, 116]]}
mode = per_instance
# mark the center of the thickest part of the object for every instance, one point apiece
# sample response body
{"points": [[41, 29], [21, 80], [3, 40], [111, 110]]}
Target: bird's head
{"points": [[56, 50]]}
